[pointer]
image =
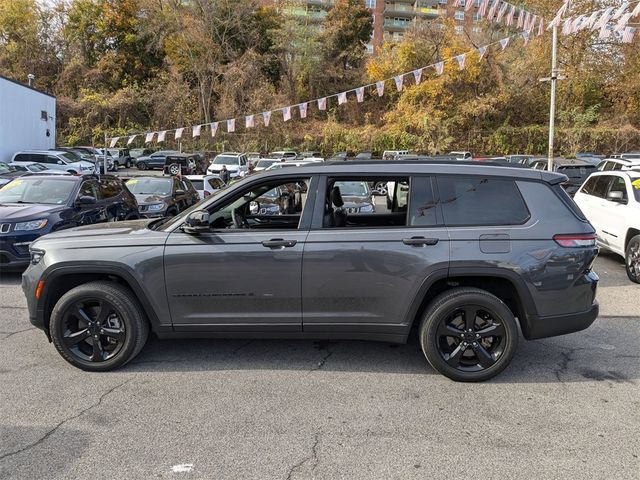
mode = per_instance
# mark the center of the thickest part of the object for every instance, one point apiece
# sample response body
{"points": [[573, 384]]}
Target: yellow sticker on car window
{"points": [[132, 182], [636, 184]]}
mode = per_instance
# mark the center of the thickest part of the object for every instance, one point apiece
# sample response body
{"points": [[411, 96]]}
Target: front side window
{"points": [[109, 188], [51, 160], [618, 185], [477, 200], [273, 205], [89, 188]]}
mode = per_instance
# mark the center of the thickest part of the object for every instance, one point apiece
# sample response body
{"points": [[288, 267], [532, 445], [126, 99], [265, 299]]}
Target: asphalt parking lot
{"points": [[208, 409]]}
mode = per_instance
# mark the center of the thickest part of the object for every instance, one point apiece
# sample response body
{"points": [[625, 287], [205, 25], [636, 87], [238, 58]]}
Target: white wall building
{"points": [[27, 119]]}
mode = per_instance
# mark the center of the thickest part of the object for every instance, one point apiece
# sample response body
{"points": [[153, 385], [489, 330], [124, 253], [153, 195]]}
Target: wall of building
{"points": [[27, 119]]}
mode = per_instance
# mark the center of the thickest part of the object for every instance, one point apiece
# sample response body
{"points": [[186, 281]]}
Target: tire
{"points": [[127, 164], [141, 166], [632, 259], [124, 317], [172, 212], [458, 353]]}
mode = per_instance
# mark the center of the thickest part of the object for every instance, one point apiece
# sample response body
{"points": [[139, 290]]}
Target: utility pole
{"points": [[105, 163], [555, 76]]}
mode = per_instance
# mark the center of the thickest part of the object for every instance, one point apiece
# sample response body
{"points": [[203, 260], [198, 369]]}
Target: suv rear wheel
{"points": [[632, 259], [468, 334], [98, 326], [141, 166]]}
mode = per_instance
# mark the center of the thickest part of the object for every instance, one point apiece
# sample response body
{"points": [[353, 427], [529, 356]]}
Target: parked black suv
{"points": [[162, 196], [465, 252], [34, 205]]}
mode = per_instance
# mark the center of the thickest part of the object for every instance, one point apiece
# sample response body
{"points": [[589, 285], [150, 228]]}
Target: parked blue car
{"points": [[32, 206]]}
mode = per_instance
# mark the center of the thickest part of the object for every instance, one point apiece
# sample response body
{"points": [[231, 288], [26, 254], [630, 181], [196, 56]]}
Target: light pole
{"points": [[552, 109]]}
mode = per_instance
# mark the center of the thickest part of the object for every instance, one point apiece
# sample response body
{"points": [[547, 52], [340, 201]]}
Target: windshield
{"points": [[225, 160], [4, 168], [150, 186], [71, 157], [36, 167], [635, 186], [265, 163], [49, 191], [353, 189]]}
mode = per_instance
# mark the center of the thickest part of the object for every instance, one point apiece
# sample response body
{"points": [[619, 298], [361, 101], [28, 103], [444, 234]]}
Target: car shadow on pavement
{"points": [[572, 358]]}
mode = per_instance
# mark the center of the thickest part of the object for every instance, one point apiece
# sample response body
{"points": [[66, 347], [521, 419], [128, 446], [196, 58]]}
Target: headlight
{"points": [[156, 206], [32, 225], [36, 256], [366, 208]]}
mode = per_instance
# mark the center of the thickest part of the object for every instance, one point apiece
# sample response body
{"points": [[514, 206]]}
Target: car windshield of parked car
{"points": [[36, 167], [225, 160], [353, 189], [150, 186], [4, 168], [49, 191], [265, 163], [71, 157]]}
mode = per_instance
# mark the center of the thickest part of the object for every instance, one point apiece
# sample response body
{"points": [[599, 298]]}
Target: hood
{"points": [[144, 199], [18, 212], [106, 229], [82, 164]]}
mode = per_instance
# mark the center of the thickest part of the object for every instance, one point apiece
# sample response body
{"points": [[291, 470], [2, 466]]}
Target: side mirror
{"points": [[179, 192], [615, 196], [60, 162], [197, 222], [254, 208], [86, 200]]}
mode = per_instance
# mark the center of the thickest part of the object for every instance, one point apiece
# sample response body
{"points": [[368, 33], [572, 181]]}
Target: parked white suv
{"points": [[237, 164], [618, 164], [611, 202], [55, 160]]}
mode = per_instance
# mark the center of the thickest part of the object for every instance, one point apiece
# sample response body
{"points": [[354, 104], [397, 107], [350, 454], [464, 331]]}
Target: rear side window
{"points": [[215, 183], [477, 200], [423, 207], [23, 157]]}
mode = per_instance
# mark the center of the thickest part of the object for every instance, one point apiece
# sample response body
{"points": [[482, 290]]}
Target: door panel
{"points": [[367, 279], [230, 281]]}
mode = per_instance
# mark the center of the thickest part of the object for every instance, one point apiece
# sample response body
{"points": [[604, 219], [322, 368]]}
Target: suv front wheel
{"points": [[98, 326], [468, 334], [632, 259]]}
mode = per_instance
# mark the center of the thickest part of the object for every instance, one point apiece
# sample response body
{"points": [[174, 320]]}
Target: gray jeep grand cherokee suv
{"points": [[466, 253]]}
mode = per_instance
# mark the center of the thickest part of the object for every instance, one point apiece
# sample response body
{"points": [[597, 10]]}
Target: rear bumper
{"points": [[542, 327]]}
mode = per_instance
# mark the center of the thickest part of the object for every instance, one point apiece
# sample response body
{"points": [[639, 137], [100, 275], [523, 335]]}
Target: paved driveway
{"points": [[566, 408]]}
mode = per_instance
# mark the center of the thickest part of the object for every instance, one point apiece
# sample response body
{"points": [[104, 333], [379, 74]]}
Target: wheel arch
{"points": [[504, 284], [631, 232], [62, 279]]}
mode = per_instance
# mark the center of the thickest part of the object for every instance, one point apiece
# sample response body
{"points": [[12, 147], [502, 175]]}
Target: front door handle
{"points": [[279, 243], [419, 241]]}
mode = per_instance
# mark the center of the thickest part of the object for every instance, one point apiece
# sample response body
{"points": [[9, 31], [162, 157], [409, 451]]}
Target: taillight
{"points": [[573, 241], [207, 193]]}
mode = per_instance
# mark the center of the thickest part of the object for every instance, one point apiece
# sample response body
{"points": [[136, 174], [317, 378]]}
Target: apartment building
{"points": [[391, 18]]}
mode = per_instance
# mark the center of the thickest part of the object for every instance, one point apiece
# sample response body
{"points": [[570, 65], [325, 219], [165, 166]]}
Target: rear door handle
{"points": [[279, 243], [420, 241]]}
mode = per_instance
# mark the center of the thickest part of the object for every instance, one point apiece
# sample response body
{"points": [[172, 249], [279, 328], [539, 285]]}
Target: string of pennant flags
{"points": [[250, 121], [610, 21]]}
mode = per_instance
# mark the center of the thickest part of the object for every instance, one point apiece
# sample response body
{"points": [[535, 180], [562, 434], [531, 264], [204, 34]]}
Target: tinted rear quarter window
{"points": [[197, 184], [423, 206], [477, 200]]}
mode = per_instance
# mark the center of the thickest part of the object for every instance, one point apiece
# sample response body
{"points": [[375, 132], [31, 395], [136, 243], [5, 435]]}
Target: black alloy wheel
{"points": [[98, 326], [470, 339], [632, 259], [93, 330], [468, 334], [141, 166]]}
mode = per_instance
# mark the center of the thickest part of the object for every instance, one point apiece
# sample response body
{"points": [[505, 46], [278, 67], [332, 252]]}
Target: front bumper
{"points": [[542, 327], [14, 250]]}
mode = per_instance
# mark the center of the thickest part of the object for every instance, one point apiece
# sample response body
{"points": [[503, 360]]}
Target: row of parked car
{"points": [[35, 204]]}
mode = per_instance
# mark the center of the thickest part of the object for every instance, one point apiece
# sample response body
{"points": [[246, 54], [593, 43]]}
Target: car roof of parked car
{"points": [[382, 168]]}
